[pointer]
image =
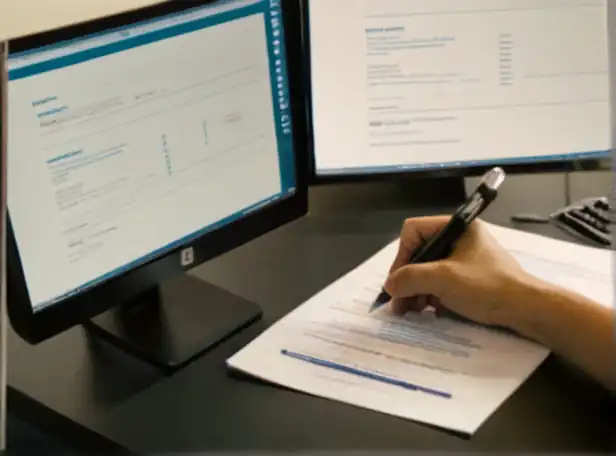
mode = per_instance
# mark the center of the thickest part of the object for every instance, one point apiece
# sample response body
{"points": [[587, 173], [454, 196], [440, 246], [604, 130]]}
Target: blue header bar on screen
{"points": [[274, 25], [59, 55]]}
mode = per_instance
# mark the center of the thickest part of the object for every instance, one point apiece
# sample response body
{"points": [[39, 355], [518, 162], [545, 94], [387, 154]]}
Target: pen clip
{"points": [[473, 207], [485, 193]]}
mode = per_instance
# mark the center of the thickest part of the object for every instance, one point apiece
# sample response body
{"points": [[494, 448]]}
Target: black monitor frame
{"points": [[38, 326], [552, 166]]}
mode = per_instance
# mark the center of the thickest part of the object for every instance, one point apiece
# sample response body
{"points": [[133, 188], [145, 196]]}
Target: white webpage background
{"points": [[204, 96], [457, 80]]}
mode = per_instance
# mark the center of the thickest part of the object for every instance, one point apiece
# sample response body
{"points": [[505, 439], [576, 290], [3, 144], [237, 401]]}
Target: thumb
{"points": [[417, 280]]}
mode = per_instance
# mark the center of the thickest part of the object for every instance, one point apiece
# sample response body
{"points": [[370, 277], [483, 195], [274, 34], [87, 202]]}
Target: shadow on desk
{"points": [[24, 440], [241, 377]]}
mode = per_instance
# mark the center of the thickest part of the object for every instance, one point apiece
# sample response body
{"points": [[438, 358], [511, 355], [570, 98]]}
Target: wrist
{"points": [[522, 293]]}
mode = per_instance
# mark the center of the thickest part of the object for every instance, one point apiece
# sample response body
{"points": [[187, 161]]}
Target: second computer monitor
{"points": [[414, 85]]}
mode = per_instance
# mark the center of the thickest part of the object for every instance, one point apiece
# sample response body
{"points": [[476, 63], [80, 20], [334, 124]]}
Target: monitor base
{"points": [[170, 325]]}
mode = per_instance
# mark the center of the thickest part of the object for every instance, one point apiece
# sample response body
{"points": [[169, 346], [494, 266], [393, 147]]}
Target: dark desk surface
{"points": [[93, 395]]}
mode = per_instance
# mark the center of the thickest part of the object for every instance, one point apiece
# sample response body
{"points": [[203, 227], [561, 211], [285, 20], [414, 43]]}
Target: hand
{"points": [[473, 282]]}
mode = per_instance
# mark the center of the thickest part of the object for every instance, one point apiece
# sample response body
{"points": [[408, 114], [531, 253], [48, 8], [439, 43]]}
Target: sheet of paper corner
{"points": [[262, 358]]}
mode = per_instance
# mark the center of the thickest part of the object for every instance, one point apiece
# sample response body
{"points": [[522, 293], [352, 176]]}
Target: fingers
{"points": [[417, 304], [414, 232], [435, 302], [402, 306], [419, 279]]}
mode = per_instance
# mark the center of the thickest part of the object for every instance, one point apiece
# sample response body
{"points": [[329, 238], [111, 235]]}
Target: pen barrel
{"points": [[441, 246]]}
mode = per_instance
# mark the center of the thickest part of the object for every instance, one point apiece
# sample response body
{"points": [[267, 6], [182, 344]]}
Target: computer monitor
{"points": [[454, 87], [140, 146]]}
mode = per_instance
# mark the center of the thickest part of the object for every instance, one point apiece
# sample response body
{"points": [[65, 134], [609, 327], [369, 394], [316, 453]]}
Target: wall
{"points": [[3, 318], [24, 17]]}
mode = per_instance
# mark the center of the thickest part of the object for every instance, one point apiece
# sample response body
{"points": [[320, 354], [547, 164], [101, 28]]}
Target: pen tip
{"points": [[380, 300]]}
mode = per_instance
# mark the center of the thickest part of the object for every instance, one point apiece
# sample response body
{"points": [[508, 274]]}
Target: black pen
{"points": [[440, 246]]}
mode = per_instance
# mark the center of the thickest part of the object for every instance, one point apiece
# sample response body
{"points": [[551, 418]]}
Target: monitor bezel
{"points": [[35, 327], [316, 179]]}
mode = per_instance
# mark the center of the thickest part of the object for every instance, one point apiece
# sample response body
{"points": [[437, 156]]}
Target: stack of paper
{"points": [[437, 371]]}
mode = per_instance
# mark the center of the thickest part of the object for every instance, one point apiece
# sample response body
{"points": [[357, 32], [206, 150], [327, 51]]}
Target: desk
{"points": [[97, 397]]}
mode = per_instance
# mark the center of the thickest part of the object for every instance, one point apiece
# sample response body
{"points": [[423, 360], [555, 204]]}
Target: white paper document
{"points": [[433, 370]]}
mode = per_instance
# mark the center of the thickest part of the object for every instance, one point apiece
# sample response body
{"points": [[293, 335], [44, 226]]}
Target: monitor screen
{"points": [[407, 85], [129, 143]]}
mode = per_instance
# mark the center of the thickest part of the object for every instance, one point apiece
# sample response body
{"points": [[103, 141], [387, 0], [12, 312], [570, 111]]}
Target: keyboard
{"points": [[590, 219]]}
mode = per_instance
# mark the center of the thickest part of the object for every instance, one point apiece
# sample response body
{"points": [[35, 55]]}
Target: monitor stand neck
{"points": [[170, 325], [443, 194], [442, 191]]}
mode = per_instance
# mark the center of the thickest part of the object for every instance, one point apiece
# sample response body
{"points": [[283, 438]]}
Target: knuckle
{"points": [[446, 269], [408, 225], [408, 273], [408, 234]]}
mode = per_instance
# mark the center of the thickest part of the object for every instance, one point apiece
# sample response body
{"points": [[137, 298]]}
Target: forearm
{"points": [[570, 325]]}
